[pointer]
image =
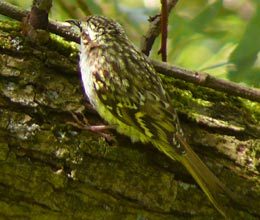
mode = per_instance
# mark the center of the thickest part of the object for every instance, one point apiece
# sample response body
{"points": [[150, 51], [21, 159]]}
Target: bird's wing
{"points": [[137, 101]]}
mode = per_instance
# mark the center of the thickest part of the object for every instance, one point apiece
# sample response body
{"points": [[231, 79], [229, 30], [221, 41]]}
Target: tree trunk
{"points": [[53, 170]]}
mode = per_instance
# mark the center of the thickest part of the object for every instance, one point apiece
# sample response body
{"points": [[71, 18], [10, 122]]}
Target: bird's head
{"points": [[99, 29]]}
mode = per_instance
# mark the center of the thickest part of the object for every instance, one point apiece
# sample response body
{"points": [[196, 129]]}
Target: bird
{"points": [[124, 88]]}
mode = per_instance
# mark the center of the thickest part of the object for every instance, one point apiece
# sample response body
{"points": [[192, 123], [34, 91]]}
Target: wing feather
{"points": [[148, 112]]}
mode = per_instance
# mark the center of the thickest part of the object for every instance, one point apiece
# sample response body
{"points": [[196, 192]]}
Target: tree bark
{"points": [[51, 169]]}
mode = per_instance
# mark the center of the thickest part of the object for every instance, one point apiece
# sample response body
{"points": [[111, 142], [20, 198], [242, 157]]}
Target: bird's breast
{"points": [[87, 76]]}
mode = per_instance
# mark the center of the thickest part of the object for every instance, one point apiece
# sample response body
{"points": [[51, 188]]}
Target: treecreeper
{"points": [[124, 88]]}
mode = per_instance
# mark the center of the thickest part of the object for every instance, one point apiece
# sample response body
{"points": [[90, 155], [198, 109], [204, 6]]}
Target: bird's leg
{"points": [[83, 124]]}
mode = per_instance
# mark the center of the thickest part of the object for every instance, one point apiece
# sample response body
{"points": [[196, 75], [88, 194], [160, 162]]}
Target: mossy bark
{"points": [[52, 170]]}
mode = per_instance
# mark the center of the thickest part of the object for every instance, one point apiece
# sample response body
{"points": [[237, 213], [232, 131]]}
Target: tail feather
{"points": [[208, 182]]}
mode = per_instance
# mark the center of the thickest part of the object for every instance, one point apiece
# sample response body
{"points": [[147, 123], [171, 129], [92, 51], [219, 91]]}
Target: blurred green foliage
{"points": [[221, 37]]}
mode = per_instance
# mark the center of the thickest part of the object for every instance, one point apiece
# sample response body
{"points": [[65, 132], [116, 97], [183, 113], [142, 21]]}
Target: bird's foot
{"points": [[81, 122]]}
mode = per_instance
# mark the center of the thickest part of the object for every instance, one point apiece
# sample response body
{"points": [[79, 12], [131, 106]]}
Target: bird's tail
{"points": [[208, 182]]}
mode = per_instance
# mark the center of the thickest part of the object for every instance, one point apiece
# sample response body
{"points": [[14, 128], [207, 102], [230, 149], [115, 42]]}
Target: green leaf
{"points": [[245, 58]]}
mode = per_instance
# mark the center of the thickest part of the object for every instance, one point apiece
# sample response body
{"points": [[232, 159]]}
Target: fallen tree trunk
{"points": [[51, 169]]}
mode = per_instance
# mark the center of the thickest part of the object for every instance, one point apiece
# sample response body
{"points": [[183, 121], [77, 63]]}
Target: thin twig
{"points": [[164, 30], [202, 79], [154, 30]]}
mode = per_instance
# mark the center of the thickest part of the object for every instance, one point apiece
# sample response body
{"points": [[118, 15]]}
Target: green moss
{"points": [[3, 151], [21, 44], [253, 108], [67, 48], [10, 26]]}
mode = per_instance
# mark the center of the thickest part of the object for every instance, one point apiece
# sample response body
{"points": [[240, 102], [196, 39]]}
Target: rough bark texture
{"points": [[52, 170]]}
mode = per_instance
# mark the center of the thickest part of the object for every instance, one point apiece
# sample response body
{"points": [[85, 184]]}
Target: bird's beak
{"points": [[75, 22]]}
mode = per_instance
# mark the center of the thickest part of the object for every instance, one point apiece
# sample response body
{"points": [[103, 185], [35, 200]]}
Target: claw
{"points": [[83, 124]]}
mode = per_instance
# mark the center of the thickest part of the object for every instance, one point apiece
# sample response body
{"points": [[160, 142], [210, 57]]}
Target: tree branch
{"points": [[53, 170], [154, 30], [202, 79], [36, 22], [12, 11], [207, 80], [38, 18], [18, 14]]}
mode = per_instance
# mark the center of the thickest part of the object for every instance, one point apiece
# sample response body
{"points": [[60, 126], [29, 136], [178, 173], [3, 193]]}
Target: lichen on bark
{"points": [[51, 169]]}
